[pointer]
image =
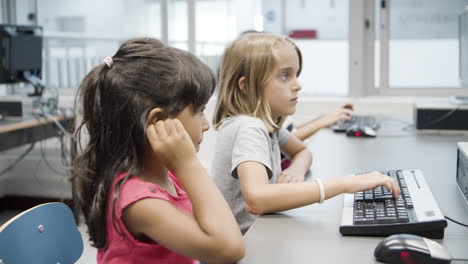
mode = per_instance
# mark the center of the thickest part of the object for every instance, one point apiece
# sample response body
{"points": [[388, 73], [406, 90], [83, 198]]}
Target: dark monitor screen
{"points": [[462, 169], [20, 53]]}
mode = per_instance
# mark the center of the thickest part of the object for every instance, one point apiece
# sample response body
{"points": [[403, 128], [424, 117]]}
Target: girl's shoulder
{"points": [[242, 122], [242, 127], [135, 189]]}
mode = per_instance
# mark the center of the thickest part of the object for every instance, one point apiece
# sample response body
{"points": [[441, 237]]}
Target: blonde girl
{"points": [[258, 90]]}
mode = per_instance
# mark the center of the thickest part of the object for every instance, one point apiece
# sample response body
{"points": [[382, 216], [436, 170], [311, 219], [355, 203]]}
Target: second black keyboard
{"points": [[359, 120]]}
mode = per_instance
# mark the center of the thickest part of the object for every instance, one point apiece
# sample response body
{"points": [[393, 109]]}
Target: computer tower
{"points": [[15, 107], [440, 115], [462, 169]]}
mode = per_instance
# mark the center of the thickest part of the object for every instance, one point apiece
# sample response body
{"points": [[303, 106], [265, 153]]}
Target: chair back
{"points": [[45, 234]]}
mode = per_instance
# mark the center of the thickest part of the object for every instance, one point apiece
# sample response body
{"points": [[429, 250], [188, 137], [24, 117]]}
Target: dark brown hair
{"points": [[115, 102]]}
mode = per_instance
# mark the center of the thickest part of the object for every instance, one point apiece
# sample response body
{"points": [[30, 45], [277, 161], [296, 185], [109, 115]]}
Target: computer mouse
{"points": [[405, 248], [361, 131]]}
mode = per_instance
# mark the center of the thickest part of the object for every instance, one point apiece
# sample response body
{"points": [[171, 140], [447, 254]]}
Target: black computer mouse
{"points": [[361, 131], [404, 248]]}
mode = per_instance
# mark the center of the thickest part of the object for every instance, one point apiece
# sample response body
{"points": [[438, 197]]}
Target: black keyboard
{"points": [[376, 213], [359, 120]]}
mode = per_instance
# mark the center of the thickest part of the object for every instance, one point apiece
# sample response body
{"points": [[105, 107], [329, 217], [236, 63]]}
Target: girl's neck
{"points": [[154, 171]]}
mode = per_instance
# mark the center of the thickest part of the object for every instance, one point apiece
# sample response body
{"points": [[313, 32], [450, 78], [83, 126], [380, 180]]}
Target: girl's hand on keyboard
{"points": [[344, 111], [364, 182]]}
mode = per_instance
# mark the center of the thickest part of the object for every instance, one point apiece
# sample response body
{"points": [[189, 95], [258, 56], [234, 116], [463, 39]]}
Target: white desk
{"points": [[310, 234], [15, 133]]}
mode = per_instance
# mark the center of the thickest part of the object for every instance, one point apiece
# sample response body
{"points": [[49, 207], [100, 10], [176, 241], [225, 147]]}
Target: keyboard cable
{"points": [[465, 225], [457, 259]]}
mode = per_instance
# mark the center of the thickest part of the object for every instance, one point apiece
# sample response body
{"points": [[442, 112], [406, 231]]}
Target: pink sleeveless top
{"points": [[122, 247]]}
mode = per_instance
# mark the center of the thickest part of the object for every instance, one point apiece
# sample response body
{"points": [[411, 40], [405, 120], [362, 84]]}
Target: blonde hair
{"points": [[253, 56]]}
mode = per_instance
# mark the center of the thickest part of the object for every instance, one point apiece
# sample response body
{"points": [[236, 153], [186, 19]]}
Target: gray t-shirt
{"points": [[239, 139]]}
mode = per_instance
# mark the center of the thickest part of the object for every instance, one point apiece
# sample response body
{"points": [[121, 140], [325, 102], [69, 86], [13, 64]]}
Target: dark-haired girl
{"points": [[144, 194]]}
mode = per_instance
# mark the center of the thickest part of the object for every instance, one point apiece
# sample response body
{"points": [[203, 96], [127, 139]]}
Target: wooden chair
{"points": [[45, 234]]}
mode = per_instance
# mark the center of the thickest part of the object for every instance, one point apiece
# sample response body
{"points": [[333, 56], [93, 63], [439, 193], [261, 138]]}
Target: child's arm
{"points": [[211, 234], [307, 129], [262, 197], [301, 160]]}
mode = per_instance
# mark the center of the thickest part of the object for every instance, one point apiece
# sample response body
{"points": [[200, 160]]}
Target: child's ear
{"points": [[241, 84], [156, 114]]}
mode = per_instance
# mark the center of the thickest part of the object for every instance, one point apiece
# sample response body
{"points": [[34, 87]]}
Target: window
{"points": [[416, 47], [178, 24], [78, 35], [212, 38], [205, 27], [325, 56]]}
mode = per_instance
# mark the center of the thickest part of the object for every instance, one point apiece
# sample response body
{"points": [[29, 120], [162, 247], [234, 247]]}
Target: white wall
{"points": [[272, 16], [413, 63], [123, 19], [410, 19], [425, 19], [245, 12], [325, 67], [423, 42], [329, 18], [424, 63]]}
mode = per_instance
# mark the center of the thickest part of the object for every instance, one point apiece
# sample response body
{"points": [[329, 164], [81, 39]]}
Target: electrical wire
{"points": [[44, 112], [46, 161], [63, 149], [20, 158], [456, 222], [44, 154], [44, 158], [407, 127], [457, 259], [57, 123], [35, 173], [66, 161], [386, 119]]}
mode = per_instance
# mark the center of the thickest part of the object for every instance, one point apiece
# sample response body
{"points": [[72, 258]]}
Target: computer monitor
{"points": [[463, 44], [21, 55], [462, 169]]}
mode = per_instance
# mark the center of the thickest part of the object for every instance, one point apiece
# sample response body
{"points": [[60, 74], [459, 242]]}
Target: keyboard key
{"points": [[368, 197], [364, 221], [359, 198], [386, 220], [403, 219]]}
